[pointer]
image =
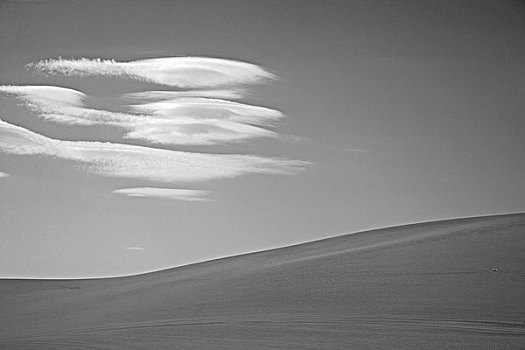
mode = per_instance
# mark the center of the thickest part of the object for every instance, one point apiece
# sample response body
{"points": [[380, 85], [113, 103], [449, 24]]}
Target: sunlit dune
{"points": [[456, 284]]}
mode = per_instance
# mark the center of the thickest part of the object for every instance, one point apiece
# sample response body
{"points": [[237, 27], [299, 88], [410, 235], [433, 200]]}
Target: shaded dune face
{"points": [[457, 284]]}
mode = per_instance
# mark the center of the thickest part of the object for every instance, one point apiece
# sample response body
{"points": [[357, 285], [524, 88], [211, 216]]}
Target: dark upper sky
{"points": [[406, 110]]}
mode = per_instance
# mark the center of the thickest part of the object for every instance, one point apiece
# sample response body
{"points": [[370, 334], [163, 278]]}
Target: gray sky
{"points": [[399, 112]]}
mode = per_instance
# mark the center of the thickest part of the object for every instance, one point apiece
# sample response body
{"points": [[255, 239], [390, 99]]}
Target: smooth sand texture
{"points": [[424, 286]]}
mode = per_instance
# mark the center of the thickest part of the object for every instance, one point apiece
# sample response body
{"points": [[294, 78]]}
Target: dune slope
{"points": [[429, 285]]}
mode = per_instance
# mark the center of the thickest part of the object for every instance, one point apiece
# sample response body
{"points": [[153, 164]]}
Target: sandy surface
{"points": [[425, 286]]}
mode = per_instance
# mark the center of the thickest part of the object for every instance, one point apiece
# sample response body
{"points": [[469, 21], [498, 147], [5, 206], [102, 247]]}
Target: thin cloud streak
{"points": [[46, 95], [135, 248], [188, 131], [3, 175], [167, 193], [207, 108], [51, 102], [183, 121], [129, 161], [183, 72], [232, 94]]}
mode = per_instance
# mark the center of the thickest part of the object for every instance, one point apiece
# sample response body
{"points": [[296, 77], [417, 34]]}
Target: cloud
{"points": [[129, 161], [52, 102], [135, 248], [182, 121], [3, 175], [200, 112], [203, 121], [184, 72], [169, 95], [46, 95], [188, 131], [207, 108], [168, 193]]}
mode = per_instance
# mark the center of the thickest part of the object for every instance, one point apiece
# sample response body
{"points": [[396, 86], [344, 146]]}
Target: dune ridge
{"points": [[428, 285]]}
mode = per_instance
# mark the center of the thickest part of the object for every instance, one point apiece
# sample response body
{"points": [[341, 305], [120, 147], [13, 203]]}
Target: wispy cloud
{"points": [[135, 248], [182, 121], [185, 72], [188, 131], [207, 108], [200, 112], [3, 175], [203, 121], [46, 95], [168, 193], [51, 102], [169, 95], [139, 162]]}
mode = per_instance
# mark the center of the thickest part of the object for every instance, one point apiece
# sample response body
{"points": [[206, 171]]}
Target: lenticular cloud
{"points": [[184, 72], [208, 108], [54, 103], [169, 95], [167, 193], [198, 110], [180, 121], [129, 161]]}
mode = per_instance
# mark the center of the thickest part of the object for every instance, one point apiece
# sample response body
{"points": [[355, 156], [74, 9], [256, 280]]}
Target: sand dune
{"points": [[423, 286]]}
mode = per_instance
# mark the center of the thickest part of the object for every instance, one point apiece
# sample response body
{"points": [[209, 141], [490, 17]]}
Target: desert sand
{"points": [[456, 284]]}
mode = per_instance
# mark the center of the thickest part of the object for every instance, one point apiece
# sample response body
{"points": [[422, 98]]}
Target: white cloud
{"points": [[120, 160], [51, 102], [207, 108], [199, 113], [46, 95], [202, 121], [168, 193], [3, 175], [135, 248], [185, 72], [169, 95], [183, 121], [189, 131]]}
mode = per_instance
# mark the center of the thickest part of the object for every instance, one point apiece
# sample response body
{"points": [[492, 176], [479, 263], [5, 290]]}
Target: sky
{"points": [[143, 135]]}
